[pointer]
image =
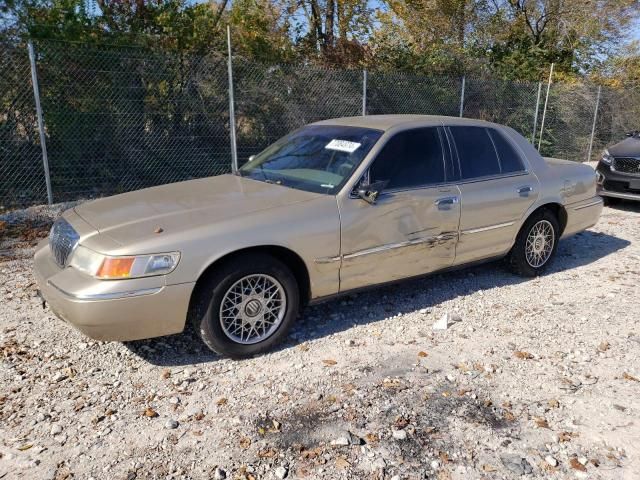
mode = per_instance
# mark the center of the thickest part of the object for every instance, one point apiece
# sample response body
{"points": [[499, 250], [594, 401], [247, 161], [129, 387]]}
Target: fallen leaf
{"points": [[329, 362], [576, 465], [631, 378], [222, 401], [488, 468], [508, 416], [522, 355], [25, 447], [313, 453], [371, 438], [553, 403], [423, 354], [198, 416], [541, 422], [304, 347], [604, 346], [245, 442], [166, 373], [342, 463], [566, 436], [150, 412], [268, 453]]}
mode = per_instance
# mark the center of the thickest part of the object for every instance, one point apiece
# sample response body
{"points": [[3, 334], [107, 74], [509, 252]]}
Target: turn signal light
{"points": [[116, 267]]}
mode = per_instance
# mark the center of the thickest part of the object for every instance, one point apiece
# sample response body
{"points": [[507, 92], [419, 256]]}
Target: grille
{"points": [[62, 240], [627, 165]]}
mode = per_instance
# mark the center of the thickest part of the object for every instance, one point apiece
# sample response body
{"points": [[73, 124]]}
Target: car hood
{"points": [[629, 147], [175, 207]]}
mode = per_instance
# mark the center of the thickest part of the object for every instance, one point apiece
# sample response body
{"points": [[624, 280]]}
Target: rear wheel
{"points": [[246, 306], [536, 244]]}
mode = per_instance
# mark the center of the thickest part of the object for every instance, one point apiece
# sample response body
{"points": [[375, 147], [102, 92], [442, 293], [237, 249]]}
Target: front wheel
{"points": [[536, 244], [246, 306]]}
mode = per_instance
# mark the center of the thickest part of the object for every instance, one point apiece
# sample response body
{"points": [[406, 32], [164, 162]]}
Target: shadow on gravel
{"points": [[377, 304]]}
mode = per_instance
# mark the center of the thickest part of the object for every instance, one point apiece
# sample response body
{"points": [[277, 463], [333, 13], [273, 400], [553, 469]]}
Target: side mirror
{"points": [[369, 192]]}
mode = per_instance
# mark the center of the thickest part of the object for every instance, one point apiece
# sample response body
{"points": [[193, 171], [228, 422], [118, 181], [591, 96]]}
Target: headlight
{"points": [[110, 268], [607, 158]]}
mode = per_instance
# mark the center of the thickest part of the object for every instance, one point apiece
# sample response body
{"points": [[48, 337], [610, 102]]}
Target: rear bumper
{"points": [[582, 215], [119, 310]]}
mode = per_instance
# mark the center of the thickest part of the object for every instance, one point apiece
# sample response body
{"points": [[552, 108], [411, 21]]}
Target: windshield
{"points": [[316, 158]]}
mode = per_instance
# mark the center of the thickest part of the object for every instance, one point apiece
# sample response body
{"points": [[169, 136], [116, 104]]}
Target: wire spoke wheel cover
{"points": [[252, 309], [540, 243]]}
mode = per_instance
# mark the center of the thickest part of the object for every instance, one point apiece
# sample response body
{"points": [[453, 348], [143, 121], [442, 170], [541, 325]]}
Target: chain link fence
{"points": [[123, 118]]}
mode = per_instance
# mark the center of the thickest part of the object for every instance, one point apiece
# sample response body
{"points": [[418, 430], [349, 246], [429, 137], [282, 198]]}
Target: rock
{"points": [[551, 461], [174, 400], [281, 472], [435, 465], [446, 321], [379, 464], [399, 434], [219, 474], [516, 464], [346, 438], [171, 424], [56, 429]]}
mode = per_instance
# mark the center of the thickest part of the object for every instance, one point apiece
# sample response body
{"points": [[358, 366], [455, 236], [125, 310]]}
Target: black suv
{"points": [[618, 170]]}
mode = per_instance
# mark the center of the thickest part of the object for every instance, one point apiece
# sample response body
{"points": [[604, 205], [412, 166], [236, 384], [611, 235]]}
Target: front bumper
{"points": [[617, 185], [118, 310]]}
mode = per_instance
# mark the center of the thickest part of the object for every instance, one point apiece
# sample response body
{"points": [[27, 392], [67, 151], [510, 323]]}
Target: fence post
{"points": [[535, 118], [544, 111], [462, 96], [364, 92], [43, 142], [232, 112], [593, 127]]}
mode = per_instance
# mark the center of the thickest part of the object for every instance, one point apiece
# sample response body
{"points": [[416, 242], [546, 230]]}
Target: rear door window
{"points": [[410, 159], [510, 160], [478, 157]]}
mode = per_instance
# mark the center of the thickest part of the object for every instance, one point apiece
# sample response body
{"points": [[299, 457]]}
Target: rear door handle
{"points": [[442, 203], [525, 190]]}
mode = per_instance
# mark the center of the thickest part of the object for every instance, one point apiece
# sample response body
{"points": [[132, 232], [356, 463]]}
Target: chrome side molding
{"points": [[437, 239], [108, 296], [487, 228]]}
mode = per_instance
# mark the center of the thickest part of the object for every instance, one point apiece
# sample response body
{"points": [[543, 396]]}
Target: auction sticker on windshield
{"points": [[343, 145]]}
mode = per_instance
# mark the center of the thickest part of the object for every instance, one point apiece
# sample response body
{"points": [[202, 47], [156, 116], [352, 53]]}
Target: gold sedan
{"points": [[335, 206]]}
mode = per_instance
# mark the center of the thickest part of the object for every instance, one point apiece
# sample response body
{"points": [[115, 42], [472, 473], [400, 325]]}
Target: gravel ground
{"points": [[538, 378]]}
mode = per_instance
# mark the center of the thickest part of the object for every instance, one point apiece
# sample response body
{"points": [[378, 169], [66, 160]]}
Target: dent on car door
{"points": [[413, 227], [496, 190]]}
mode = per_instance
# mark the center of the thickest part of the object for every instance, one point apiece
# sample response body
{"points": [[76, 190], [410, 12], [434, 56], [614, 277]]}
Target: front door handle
{"points": [[524, 191], [444, 202]]}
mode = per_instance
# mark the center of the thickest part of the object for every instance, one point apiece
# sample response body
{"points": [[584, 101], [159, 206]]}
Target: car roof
{"points": [[386, 122]]}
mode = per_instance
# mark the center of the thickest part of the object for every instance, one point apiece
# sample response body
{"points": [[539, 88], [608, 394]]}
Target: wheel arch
{"points": [[287, 256], [557, 209]]}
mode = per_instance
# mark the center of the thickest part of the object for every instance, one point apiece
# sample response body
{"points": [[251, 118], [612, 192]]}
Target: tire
{"points": [[532, 266], [229, 283]]}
